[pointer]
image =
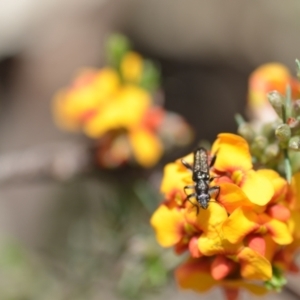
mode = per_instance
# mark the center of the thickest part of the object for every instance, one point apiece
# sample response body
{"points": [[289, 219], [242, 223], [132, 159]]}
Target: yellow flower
{"points": [[269, 77], [196, 274], [132, 67], [241, 234], [115, 108], [81, 101]]}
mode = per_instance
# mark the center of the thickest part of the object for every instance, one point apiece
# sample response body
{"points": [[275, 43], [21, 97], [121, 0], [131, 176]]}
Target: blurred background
{"points": [[76, 237]]}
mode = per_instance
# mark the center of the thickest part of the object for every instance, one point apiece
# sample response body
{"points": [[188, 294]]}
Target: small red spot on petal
{"points": [[153, 118], [221, 267], [193, 247], [279, 212], [87, 115], [257, 243], [180, 247]]}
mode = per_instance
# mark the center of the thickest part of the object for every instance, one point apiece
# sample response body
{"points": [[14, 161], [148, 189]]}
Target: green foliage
{"points": [[277, 281], [151, 76], [116, 47]]}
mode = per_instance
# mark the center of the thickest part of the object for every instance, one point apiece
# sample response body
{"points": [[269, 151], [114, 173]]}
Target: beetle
{"points": [[201, 177]]}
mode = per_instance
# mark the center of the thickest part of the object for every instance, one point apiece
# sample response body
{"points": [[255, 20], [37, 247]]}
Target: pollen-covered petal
{"points": [[257, 187], [175, 179], [231, 197], [146, 147], [279, 231], [195, 275], [221, 267], [240, 223], [232, 153], [254, 265], [168, 225]]}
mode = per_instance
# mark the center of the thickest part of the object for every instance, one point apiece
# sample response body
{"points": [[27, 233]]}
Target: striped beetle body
{"points": [[201, 177]]}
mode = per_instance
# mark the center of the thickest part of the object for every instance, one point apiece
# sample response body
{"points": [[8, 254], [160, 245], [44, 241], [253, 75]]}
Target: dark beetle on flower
{"points": [[201, 177]]}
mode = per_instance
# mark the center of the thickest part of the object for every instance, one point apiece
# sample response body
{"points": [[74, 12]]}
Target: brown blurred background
{"points": [[206, 50]]}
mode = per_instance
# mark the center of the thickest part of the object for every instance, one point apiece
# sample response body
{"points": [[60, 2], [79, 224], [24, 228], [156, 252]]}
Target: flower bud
{"points": [[258, 145], [293, 123], [283, 133], [296, 107], [294, 143], [246, 131], [272, 152], [277, 102]]}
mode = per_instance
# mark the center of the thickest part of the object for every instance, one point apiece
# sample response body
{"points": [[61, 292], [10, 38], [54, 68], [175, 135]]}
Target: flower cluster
{"points": [[245, 238], [115, 105], [273, 132], [266, 78]]}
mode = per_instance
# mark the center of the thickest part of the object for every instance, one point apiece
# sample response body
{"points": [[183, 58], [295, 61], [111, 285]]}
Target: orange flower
{"points": [[202, 274], [80, 102], [241, 234], [266, 78], [115, 107]]}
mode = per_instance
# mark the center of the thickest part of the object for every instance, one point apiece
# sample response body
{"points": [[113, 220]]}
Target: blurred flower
{"points": [[242, 234], [116, 106], [266, 78]]}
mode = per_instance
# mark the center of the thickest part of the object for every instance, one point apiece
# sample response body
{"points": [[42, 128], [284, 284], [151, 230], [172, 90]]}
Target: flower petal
{"points": [[295, 191], [195, 275], [257, 243], [232, 153], [132, 66], [210, 219], [231, 197], [239, 224], [118, 113], [212, 241], [279, 231], [193, 247], [254, 265], [174, 178], [221, 267], [268, 77], [279, 184], [279, 212], [168, 224], [242, 284], [258, 188], [146, 147]]}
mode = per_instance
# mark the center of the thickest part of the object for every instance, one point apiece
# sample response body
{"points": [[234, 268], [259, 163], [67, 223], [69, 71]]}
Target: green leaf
{"points": [[117, 46], [151, 76], [277, 281]]}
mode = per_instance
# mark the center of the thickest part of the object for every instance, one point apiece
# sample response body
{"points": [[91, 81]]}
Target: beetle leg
{"points": [[213, 159], [213, 189], [188, 187], [212, 178], [189, 199], [187, 165]]}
